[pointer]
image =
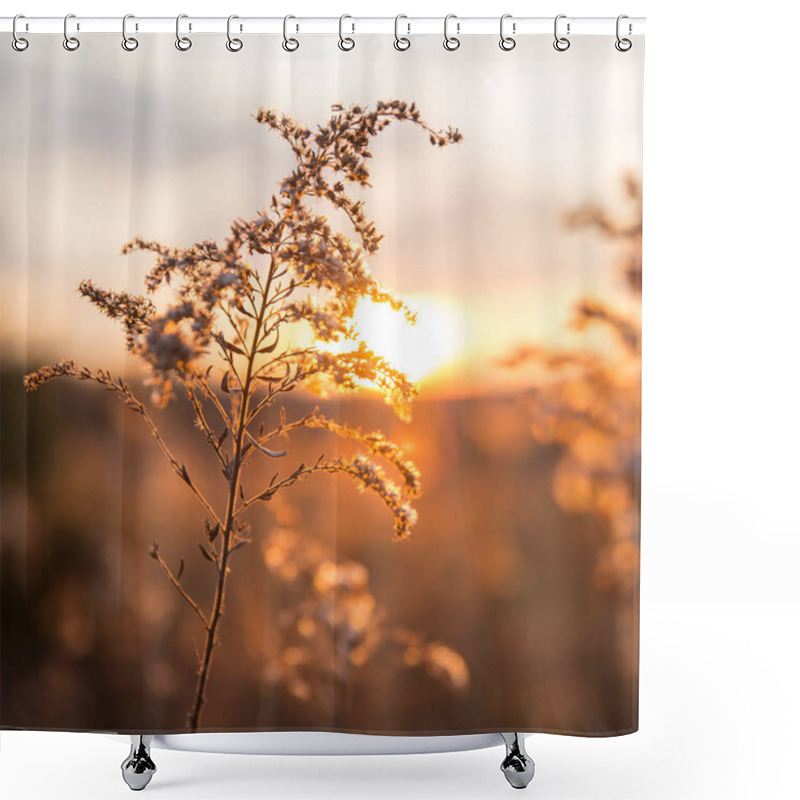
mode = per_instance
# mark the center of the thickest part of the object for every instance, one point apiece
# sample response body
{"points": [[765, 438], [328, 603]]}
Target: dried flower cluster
{"points": [[331, 624], [590, 404], [218, 335]]}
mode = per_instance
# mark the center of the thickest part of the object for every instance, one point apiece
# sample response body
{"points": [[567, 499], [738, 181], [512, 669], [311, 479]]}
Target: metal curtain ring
{"points": [[18, 42], [290, 44], [70, 42], [506, 42], [233, 44], [181, 42], [129, 43], [345, 42], [623, 45], [401, 42], [561, 43], [451, 42]]}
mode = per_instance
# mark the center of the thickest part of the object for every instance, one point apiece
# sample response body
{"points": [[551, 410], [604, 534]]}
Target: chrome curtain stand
{"points": [[138, 768]]}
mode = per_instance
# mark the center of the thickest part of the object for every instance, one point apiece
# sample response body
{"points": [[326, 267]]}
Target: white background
{"points": [[720, 531]]}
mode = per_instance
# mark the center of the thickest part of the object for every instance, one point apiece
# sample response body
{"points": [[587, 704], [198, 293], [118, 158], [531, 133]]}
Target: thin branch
{"points": [[177, 584], [177, 467], [200, 416], [300, 422], [302, 471], [104, 378], [212, 396]]}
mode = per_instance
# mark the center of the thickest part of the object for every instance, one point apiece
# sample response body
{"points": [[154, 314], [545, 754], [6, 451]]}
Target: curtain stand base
{"points": [[138, 768]]}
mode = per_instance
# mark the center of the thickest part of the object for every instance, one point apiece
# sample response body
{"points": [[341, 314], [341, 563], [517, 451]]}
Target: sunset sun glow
{"points": [[419, 350]]}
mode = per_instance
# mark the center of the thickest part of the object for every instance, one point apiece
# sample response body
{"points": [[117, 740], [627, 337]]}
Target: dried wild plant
{"points": [[234, 301], [331, 624], [590, 402]]}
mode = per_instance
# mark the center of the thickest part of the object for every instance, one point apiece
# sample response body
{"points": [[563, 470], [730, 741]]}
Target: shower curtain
{"points": [[320, 376]]}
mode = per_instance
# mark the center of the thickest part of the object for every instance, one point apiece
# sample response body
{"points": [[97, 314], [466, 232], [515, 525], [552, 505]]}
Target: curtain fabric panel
{"points": [[320, 385]]}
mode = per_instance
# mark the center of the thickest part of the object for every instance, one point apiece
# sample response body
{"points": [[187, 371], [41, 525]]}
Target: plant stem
{"points": [[193, 717]]}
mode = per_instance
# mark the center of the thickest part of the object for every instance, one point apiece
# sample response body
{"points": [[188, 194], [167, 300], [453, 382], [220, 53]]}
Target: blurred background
{"points": [[516, 596]]}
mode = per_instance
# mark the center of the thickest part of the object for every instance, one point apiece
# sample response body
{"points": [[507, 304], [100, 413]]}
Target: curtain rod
{"points": [[462, 26]]}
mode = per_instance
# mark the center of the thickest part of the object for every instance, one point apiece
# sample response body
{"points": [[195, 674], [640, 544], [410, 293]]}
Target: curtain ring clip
{"points": [[346, 42], [561, 43], [182, 42], [70, 43], [507, 42], [129, 43], [18, 42], [401, 42], [233, 44], [623, 44], [451, 42], [290, 44]]}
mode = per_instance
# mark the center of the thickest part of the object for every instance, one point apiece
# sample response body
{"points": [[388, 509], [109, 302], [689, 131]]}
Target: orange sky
{"points": [[472, 232]]}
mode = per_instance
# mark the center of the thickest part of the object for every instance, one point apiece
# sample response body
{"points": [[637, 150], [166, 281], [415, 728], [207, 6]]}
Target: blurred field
{"points": [[94, 637]]}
